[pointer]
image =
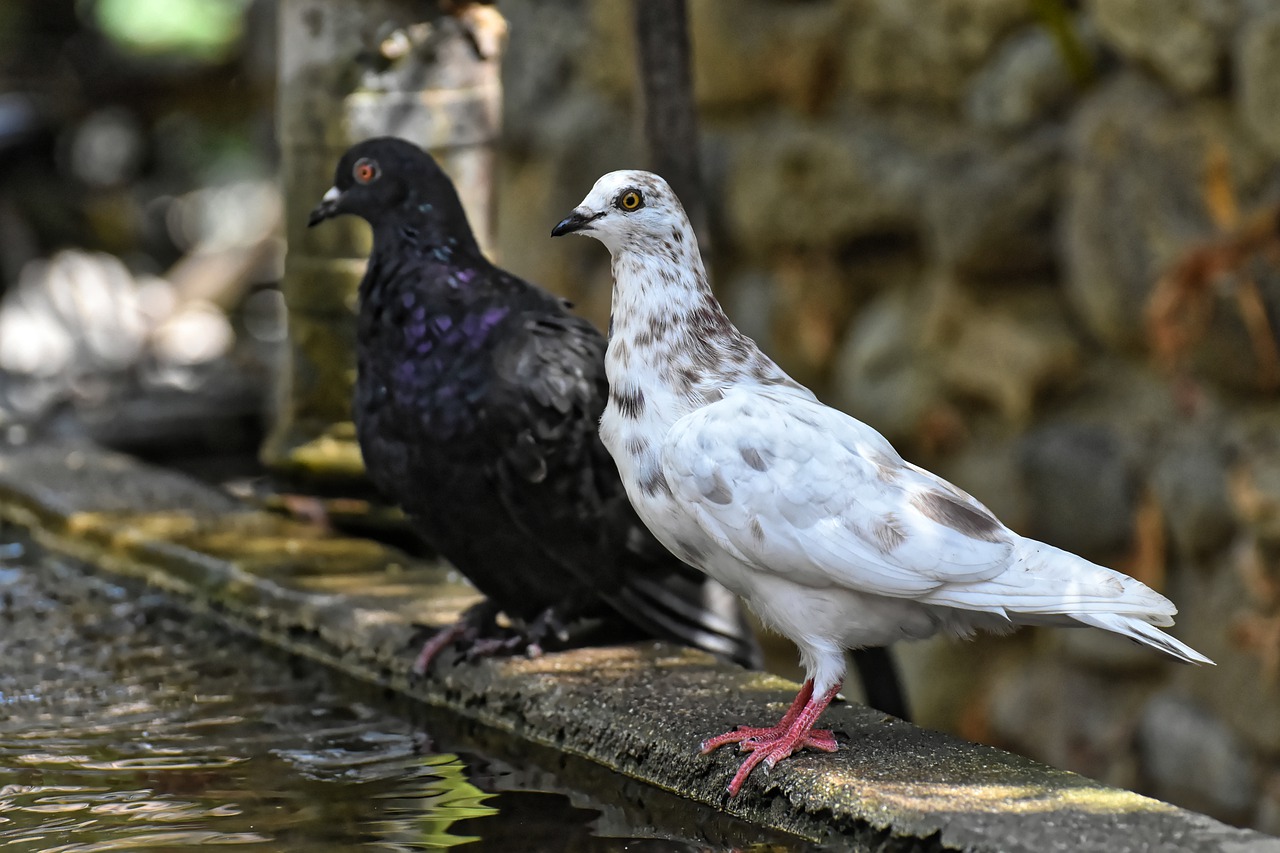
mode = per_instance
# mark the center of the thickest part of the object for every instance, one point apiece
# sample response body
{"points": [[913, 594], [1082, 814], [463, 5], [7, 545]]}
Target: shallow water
{"points": [[127, 724]]}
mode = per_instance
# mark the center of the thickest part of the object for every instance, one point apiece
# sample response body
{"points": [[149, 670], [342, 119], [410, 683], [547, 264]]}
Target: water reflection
{"points": [[127, 725]]}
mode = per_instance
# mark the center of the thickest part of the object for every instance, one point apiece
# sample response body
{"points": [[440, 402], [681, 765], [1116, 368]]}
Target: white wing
{"points": [[790, 486]]}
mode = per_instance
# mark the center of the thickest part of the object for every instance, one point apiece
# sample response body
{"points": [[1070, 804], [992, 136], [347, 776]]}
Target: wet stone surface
{"points": [[126, 723]]}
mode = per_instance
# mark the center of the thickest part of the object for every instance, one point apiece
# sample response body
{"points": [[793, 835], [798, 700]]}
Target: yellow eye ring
{"points": [[630, 200]]}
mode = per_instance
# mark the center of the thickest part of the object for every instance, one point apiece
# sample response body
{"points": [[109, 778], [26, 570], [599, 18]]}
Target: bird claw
{"points": [[489, 647], [770, 752], [437, 643], [470, 629], [478, 637], [821, 740], [770, 745]]}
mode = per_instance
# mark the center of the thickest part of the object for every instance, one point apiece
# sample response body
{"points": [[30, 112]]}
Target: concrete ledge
{"points": [[640, 710]]}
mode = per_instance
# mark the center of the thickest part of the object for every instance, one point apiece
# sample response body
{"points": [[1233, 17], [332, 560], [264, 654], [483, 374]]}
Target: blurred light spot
{"points": [[199, 333], [106, 148], [156, 299], [265, 316], [240, 213], [76, 312]]}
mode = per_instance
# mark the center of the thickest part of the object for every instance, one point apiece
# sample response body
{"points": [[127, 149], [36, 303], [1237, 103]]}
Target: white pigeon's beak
{"points": [[579, 220], [327, 207]]}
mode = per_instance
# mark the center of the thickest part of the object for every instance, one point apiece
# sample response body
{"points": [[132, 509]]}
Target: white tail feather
{"points": [[1044, 585], [1144, 633]]}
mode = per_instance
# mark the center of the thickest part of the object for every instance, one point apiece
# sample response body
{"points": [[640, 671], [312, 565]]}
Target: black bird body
{"points": [[474, 411], [476, 407]]}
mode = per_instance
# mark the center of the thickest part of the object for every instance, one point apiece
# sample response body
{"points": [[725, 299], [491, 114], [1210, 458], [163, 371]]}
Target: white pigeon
{"points": [[810, 515]]}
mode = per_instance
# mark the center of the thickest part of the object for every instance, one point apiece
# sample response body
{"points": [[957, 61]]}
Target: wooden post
{"points": [[670, 114], [349, 70]]}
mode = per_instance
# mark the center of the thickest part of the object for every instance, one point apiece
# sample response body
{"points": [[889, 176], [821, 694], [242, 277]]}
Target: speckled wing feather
{"points": [[802, 490]]}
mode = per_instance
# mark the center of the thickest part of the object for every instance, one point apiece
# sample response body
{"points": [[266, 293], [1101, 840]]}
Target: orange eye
{"points": [[365, 170]]}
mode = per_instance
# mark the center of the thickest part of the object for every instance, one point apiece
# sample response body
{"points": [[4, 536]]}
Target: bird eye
{"points": [[365, 171], [630, 200]]}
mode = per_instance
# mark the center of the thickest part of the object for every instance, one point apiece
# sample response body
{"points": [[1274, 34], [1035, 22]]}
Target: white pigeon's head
{"points": [[629, 210]]}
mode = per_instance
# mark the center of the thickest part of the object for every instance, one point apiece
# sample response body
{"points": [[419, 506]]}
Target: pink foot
{"points": [[477, 634], [439, 641], [770, 745]]}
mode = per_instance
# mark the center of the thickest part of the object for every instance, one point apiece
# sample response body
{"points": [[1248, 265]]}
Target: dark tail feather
{"points": [[690, 608], [880, 681]]}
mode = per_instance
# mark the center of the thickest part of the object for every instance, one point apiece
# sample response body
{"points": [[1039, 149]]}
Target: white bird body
{"points": [[807, 513]]}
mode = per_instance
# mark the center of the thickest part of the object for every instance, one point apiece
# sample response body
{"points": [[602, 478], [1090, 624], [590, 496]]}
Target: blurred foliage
{"points": [[198, 29]]}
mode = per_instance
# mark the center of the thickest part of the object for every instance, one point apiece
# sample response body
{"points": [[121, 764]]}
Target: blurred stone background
{"points": [[1034, 242]]}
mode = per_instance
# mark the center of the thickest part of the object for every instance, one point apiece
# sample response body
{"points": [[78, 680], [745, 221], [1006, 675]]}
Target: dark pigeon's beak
{"points": [[576, 221], [327, 207]]}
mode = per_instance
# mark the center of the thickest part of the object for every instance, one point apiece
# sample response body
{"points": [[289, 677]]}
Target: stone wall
{"points": [[950, 217]]}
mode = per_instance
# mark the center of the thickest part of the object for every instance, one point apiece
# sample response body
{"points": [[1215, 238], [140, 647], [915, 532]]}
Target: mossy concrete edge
{"points": [[640, 710]]}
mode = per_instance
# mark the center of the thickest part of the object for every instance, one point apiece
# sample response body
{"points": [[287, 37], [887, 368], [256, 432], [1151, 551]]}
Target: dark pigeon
{"points": [[476, 406]]}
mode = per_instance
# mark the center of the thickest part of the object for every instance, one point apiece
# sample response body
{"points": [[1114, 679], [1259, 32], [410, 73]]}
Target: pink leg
{"points": [[439, 641], [742, 733], [480, 637], [771, 745]]}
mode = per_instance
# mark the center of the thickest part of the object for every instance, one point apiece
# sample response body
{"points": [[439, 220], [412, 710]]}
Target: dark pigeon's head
{"points": [[388, 178]]}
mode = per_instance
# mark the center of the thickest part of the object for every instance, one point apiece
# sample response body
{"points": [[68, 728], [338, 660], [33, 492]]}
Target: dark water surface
{"points": [[127, 724]]}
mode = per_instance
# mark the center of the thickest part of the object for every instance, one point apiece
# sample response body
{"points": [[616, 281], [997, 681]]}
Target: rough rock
{"points": [[1226, 354], [991, 215], [1267, 818], [1005, 354], [1134, 200], [749, 299], [1068, 716], [1189, 755], [882, 375], [949, 682], [1222, 618], [1184, 41], [924, 52], [811, 308], [802, 184], [610, 66], [541, 63], [1082, 488], [1257, 70], [1254, 473], [757, 51], [1026, 81], [748, 53], [1189, 483]]}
